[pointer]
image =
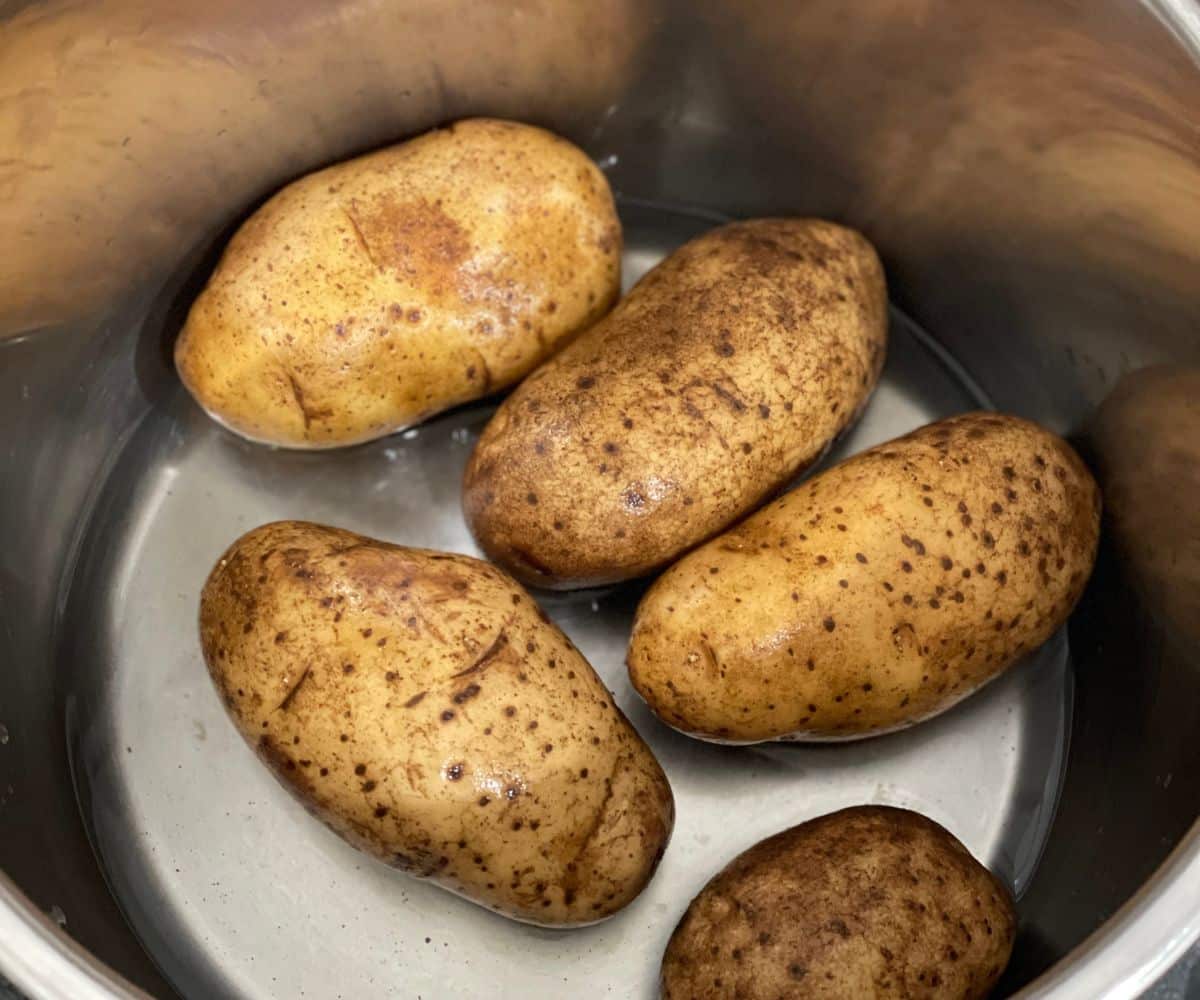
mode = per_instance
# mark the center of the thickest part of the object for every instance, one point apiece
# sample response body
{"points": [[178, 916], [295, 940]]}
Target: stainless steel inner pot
{"points": [[1031, 174]]}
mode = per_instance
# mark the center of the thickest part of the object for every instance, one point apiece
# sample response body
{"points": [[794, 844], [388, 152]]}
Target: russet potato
{"points": [[878, 593], [729, 367], [871, 901], [371, 295], [423, 706]]}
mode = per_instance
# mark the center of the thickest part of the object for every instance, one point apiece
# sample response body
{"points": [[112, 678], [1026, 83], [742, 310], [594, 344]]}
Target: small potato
{"points": [[728, 368], [866, 902], [371, 295], [877, 594], [424, 708]]}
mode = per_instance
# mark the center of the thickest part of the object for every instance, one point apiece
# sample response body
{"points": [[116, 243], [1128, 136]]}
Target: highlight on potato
{"points": [[877, 594], [728, 368], [424, 707], [369, 296], [870, 901]]}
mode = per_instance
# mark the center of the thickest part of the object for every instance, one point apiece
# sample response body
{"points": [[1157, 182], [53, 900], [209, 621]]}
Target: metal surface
{"points": [[1030, 171], [45, 959]]}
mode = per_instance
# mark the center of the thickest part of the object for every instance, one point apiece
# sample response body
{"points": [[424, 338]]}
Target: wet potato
{"points": [[729, 367], [371, 295], [870, 901], [424, 708], [877, 594]]}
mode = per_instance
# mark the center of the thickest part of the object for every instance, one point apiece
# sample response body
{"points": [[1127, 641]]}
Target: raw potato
{"points": [[423, 707], [877, 594], [870, 901], [371, 295], [728, 368]]}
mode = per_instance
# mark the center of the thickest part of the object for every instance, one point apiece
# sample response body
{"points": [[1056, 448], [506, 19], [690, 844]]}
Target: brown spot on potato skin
{"points": [[480, 663], [1009, 568], [408, 725], [291, 695], [466, 694], [412, 238], [737, 316], [840, 906]]}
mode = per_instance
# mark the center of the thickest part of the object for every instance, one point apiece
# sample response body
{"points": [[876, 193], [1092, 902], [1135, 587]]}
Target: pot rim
{"points": [[1120, 960]]}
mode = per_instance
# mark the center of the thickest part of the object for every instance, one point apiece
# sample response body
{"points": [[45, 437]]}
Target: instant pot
{"points": [[1030, 172]]}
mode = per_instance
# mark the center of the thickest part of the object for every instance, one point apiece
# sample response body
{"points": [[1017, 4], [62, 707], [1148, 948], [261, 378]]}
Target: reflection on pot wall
{"points": [[1146, 437]]}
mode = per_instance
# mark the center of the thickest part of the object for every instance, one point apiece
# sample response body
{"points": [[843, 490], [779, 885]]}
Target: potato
{"points": [[728, 368], [424, 708], [366, 297], [870, 901], [877, 594]]}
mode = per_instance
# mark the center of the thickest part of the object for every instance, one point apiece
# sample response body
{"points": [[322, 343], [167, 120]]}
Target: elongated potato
{"points": [[870, 901], [368, 296], [424, 708], [877, 594], [728, 368]]}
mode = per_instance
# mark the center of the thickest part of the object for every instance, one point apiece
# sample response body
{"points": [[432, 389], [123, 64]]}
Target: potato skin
{"points": [[729, 367], [371, 295], [425, 709], [871, 901], [877, 594]]}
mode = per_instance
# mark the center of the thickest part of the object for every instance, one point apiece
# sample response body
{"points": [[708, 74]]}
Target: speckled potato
{"points": [[729, 367], [369, 296], [870, 901], [424, 708], [877, 594]]}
